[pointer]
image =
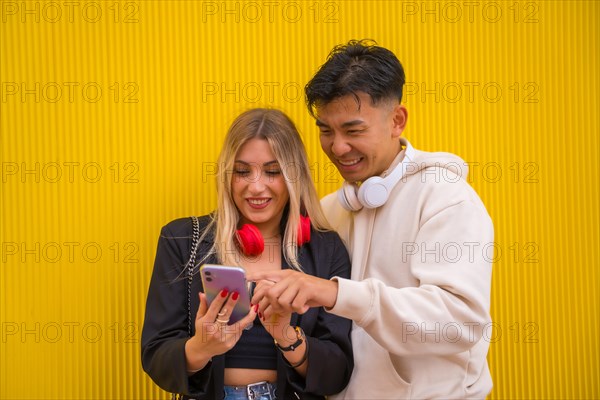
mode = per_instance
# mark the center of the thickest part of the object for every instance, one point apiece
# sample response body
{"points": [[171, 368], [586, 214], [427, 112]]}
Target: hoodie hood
{"points": [[416, 161]]}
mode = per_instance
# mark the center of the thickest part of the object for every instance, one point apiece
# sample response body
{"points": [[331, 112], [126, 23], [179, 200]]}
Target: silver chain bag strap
{"points": [[190, 268], [190, 272]]}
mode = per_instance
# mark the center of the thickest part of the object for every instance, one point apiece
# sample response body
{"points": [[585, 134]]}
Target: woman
{"points": [[263, 183]]}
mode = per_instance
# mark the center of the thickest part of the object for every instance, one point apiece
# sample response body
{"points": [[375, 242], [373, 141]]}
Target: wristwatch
{"points": [[299, 340]]}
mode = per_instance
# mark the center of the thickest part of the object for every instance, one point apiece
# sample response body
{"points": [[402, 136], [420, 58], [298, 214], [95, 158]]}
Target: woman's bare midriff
{"points": [[246, 376]]}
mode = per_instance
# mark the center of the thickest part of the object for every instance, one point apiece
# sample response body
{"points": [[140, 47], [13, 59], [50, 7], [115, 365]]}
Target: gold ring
{"points": [[223, 312], [222, 321]]}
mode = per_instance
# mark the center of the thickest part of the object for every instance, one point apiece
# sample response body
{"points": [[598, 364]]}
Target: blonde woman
{"points": [[263, 183]]}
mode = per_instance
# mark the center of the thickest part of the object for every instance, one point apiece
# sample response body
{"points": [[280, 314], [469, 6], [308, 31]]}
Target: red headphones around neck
{"points": [[252, 244]]}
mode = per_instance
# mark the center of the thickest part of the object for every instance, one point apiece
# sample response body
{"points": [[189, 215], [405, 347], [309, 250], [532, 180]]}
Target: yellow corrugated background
{"points": [[89, 177]]}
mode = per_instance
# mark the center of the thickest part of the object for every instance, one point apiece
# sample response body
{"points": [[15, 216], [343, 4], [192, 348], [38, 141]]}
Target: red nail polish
{"points": [[260, 315], [235, 296], [224, 292], [256, 308]]}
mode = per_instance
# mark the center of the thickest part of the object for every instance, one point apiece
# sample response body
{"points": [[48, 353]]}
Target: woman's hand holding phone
{"points": [[213, 335]]}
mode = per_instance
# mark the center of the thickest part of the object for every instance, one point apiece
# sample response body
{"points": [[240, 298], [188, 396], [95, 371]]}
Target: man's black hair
{"points": [[358, 66]]}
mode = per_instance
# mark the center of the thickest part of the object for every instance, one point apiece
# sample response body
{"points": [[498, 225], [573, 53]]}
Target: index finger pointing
{"points": [[273, 276]]}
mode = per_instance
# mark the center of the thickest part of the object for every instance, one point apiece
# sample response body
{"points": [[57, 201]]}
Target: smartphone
{"points": [[218, 277]]}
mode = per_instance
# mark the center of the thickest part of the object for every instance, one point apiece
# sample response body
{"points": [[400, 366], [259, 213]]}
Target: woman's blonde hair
{"points": [[280, 132]]}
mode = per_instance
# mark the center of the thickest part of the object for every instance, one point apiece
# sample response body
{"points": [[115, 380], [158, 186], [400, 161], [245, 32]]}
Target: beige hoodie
{"points": [[420, 290]]}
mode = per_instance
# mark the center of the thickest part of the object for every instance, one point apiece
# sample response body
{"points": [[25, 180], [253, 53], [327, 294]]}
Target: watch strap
{"points": [[299, 340]]}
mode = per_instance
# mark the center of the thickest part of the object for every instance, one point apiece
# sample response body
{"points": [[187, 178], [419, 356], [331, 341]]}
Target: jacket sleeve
{"points": [[165, 330], [329, 347], [449, 309]]}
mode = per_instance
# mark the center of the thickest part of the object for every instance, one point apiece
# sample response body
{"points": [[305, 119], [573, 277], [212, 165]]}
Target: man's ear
{"points": [[399, 118]]}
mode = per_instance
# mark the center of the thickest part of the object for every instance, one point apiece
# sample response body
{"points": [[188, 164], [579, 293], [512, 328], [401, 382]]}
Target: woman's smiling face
{"points": [[258, 186]]}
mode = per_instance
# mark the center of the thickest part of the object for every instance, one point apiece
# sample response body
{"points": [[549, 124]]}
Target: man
{"points": [[418, 237]]}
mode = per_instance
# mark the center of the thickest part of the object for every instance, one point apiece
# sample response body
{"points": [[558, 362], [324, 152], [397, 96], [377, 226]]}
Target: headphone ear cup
{"points": [[250, 240], [373, 193], [303, 230], [347, 197]]}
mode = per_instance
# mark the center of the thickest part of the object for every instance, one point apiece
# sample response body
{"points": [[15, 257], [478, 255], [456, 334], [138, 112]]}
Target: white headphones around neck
{"points": [[375, 191]]}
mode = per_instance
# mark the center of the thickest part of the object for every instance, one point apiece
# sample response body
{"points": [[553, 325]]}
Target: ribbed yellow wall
{"points": [[112, 114]]}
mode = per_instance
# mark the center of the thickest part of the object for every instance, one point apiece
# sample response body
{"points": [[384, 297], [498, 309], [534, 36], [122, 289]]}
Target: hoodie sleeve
{"points": [[448, 310]]}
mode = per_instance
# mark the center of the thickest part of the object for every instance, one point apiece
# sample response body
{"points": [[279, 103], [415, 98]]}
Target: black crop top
{"points": [[254, 350]]}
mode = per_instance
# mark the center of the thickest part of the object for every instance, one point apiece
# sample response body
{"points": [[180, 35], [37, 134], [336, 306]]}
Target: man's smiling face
{"points": [[361, 141]]}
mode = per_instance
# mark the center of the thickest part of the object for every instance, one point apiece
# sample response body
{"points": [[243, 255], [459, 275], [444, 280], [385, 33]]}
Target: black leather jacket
{"points": [[165, 328]]}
